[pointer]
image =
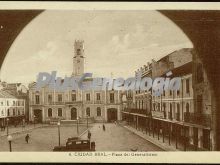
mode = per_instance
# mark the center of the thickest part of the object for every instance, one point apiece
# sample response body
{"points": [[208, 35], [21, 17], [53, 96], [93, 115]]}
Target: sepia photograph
{"points": [[98, 82]]}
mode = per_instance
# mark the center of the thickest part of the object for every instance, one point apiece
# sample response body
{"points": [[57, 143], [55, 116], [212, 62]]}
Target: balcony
{"points": [[73, 102], [178, 116], [196, 118], [57, 103], [34, 103], [138, 111], [98, 102], [158, 114]]}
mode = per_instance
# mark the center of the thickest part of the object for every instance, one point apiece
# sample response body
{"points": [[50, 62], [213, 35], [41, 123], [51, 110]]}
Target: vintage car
{"points": [[76, 144]]}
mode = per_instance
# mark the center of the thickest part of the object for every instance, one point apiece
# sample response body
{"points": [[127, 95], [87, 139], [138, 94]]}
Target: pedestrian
{"points": [[103, 127], [27, 137], [89, 135]]}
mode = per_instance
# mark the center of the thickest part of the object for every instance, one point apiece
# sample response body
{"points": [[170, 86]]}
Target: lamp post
{"points": [[77, 126], [9, 141], [7, 126], [23, 124], [58, 124]]}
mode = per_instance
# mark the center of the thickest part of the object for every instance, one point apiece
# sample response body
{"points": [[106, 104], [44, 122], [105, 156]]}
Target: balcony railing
{"points": [[73, 102], [196, 118], [98, 102], [178, 116], [57, 103], [138, 111]]}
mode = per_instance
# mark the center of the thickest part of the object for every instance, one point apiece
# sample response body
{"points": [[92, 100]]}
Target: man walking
{"points": [[27, 138], [103, 127]]}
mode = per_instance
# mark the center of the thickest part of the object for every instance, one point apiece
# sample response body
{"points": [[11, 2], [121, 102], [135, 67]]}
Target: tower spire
{"points": [[78, 59]]}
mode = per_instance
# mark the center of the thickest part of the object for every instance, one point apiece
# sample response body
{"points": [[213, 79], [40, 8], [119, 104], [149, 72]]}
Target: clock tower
{"points": [[78, 59]]}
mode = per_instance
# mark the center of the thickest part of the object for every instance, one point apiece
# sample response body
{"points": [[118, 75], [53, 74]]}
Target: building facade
{"points": [[178, 115], [11, 108], [46, 104]]}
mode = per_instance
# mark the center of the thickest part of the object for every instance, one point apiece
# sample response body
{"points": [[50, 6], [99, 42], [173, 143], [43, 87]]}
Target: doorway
{"points": [[73, 114], [112, 114]]}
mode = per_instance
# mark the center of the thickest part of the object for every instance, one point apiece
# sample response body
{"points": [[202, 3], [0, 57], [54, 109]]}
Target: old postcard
{"points": [[109, 82]]}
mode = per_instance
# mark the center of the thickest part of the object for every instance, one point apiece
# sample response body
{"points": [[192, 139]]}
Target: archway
{"points": [[37, 115], [112, 114], [192, 24]]}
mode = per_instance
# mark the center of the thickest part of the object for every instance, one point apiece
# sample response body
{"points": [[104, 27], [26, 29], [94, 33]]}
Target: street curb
{"points": [[149, 140]]}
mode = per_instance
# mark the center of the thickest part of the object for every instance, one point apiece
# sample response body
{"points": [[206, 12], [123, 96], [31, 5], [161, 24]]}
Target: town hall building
{"points": [[101, 106]]}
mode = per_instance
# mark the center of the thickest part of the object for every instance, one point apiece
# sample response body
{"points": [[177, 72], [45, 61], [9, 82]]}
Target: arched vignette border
{"points": [[201, 27]]}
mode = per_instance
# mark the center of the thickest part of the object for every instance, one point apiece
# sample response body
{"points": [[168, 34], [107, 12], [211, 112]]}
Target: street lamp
{"points": [[23, 124], [58, 124], [7, 126], [9, 141], [77, 126]]}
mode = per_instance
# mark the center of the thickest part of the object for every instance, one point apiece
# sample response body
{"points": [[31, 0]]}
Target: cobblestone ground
{"points": [[117, 138], [41, 139]]}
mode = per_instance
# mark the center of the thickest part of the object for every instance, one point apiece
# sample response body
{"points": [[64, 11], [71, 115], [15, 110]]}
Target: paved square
{"points": [[41, 139]]}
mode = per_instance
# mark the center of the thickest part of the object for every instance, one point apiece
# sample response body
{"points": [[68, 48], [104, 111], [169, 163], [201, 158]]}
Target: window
{"points": [[178, 112], [187, 107], [49, 112], [87, 97], [199, 104], [98, 111], [164, 110], [14, 103], [112, 97], [73, 97], [49, 98], [178, 92], [170, 92], [171, 111], [78, 51], [60, 112], [187, 86], [158, 107], [8, 112], [13, 112], [88, 111], [18, 112], [142, 104], [59, 97], [7, 103], [98, 96], [37, 99]]}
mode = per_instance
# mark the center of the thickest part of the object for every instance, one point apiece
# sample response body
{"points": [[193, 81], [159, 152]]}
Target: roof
{"points": [[4, 94]]}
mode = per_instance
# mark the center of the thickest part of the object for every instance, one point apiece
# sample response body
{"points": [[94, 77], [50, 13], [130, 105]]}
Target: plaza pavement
{"points": [[41, 138], [117, 138]]}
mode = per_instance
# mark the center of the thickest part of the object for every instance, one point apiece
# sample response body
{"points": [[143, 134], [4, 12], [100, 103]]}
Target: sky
{"points": [[116, 43]]}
